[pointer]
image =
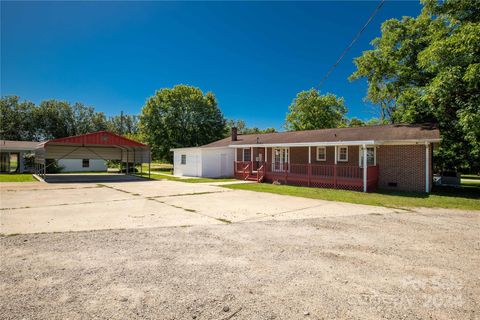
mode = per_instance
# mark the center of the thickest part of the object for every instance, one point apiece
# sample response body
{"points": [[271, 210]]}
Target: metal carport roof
{"points": [[97, 145]]}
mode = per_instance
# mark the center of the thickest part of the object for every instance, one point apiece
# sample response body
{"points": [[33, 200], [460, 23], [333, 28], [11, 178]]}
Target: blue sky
{"points": [[254, 56]]}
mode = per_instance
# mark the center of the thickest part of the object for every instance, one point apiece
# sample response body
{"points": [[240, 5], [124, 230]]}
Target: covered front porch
{"points": [[350, 167]]}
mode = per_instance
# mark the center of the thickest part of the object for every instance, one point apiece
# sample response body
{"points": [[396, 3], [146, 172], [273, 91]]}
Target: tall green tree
{"points": [[180, 117], [86, 119], [427, 69], [355, 122], [311, 110], [54, 119], [124, 124], [16, 119], [243, 129]]}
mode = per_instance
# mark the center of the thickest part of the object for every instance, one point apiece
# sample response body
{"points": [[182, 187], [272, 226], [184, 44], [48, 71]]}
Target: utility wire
{"points": [[359, 33]]}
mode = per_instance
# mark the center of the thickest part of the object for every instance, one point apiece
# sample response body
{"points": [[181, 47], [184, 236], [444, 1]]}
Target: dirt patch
{"points": [[398, 266]]}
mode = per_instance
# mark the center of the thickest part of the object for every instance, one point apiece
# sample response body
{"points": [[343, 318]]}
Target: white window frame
{"points": [[243, 154], [360, 151], [340, 153], [324, 154], [183, 159]]}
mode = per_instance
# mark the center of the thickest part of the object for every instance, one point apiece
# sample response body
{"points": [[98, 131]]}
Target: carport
{"points": [[102, 145]]}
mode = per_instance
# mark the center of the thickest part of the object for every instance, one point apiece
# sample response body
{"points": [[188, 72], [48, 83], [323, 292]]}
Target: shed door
{"points": [[223, 165]]}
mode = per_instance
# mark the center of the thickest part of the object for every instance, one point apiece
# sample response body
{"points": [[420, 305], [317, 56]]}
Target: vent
{"points": [[392, 184]]}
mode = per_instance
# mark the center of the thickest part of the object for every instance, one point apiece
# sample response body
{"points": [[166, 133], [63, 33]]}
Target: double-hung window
{"points": [[371, 161], [183, 159], [343, 154], [247, 154], [321, 154]]}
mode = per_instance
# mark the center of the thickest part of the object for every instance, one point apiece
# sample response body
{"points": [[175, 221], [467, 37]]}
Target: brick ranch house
{"points": [[394, 157]]}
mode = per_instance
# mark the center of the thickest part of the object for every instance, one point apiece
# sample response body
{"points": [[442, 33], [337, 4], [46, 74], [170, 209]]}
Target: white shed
{"points": [[203, 162], [83, 165]]}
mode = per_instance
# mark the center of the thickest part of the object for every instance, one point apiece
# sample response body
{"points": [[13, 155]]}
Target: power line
{"points": [[359, 33]]}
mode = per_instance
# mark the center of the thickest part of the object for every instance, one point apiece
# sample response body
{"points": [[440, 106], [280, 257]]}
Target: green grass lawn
{"points": [[471, 183], [162, 176], [470, 176], [467, 197], [158, 167], [17, 177]]}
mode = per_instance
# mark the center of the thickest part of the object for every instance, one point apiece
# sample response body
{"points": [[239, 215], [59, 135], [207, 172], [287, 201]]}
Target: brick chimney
{"points": [[234, 133]]}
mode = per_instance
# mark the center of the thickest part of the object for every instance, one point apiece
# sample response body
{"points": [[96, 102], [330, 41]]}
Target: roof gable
{"points": [[102, 138]]}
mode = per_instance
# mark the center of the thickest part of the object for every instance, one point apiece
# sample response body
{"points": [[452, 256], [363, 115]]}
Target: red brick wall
{"points": [[403, 165], [299, 155]]}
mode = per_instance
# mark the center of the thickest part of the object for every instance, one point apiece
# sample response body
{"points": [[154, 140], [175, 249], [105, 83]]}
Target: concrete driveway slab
{"points": [[164, 188], [16, 186], [133, 205], [51, 197], [241, 205], [116, 214]]}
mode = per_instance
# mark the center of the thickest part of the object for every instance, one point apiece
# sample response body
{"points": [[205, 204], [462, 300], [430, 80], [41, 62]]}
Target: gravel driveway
{"points": [[321, 260]]}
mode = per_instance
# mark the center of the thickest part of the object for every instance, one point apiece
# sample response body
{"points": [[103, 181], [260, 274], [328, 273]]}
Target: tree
{"points": [[16, 121], [311, 110], [124, 124], [54, 119], [86, 120], [427, 69], [180, 117], [354, 122], [243, 129]]}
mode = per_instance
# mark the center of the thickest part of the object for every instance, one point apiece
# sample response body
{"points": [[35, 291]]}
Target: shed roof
{"points": [[18, 145], [100, 138], [97, 145], [383, 133]]}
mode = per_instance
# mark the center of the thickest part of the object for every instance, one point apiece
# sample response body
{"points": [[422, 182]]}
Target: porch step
{"points": [[252, 178]]}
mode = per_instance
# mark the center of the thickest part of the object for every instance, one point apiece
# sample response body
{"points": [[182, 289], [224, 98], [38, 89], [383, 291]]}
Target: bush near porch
{"points": [[467, 197]]}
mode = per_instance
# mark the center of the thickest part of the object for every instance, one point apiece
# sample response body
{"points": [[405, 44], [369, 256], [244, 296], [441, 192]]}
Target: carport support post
{"points": [[121, 160], [364, 168], [134, 163], [127, 161]]}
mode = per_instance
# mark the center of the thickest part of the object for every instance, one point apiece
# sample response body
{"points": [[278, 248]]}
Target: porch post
{"points": [[309, 169], [251, 159], [335, 168], [236, 155], [364, 168], [427, 167]]}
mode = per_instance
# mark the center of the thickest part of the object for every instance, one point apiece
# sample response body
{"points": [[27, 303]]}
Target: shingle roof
{"points": [[18, 145], [396, 132]]}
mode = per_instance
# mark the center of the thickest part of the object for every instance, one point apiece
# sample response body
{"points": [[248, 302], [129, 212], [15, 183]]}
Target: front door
{"points": [[280, 157]]}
